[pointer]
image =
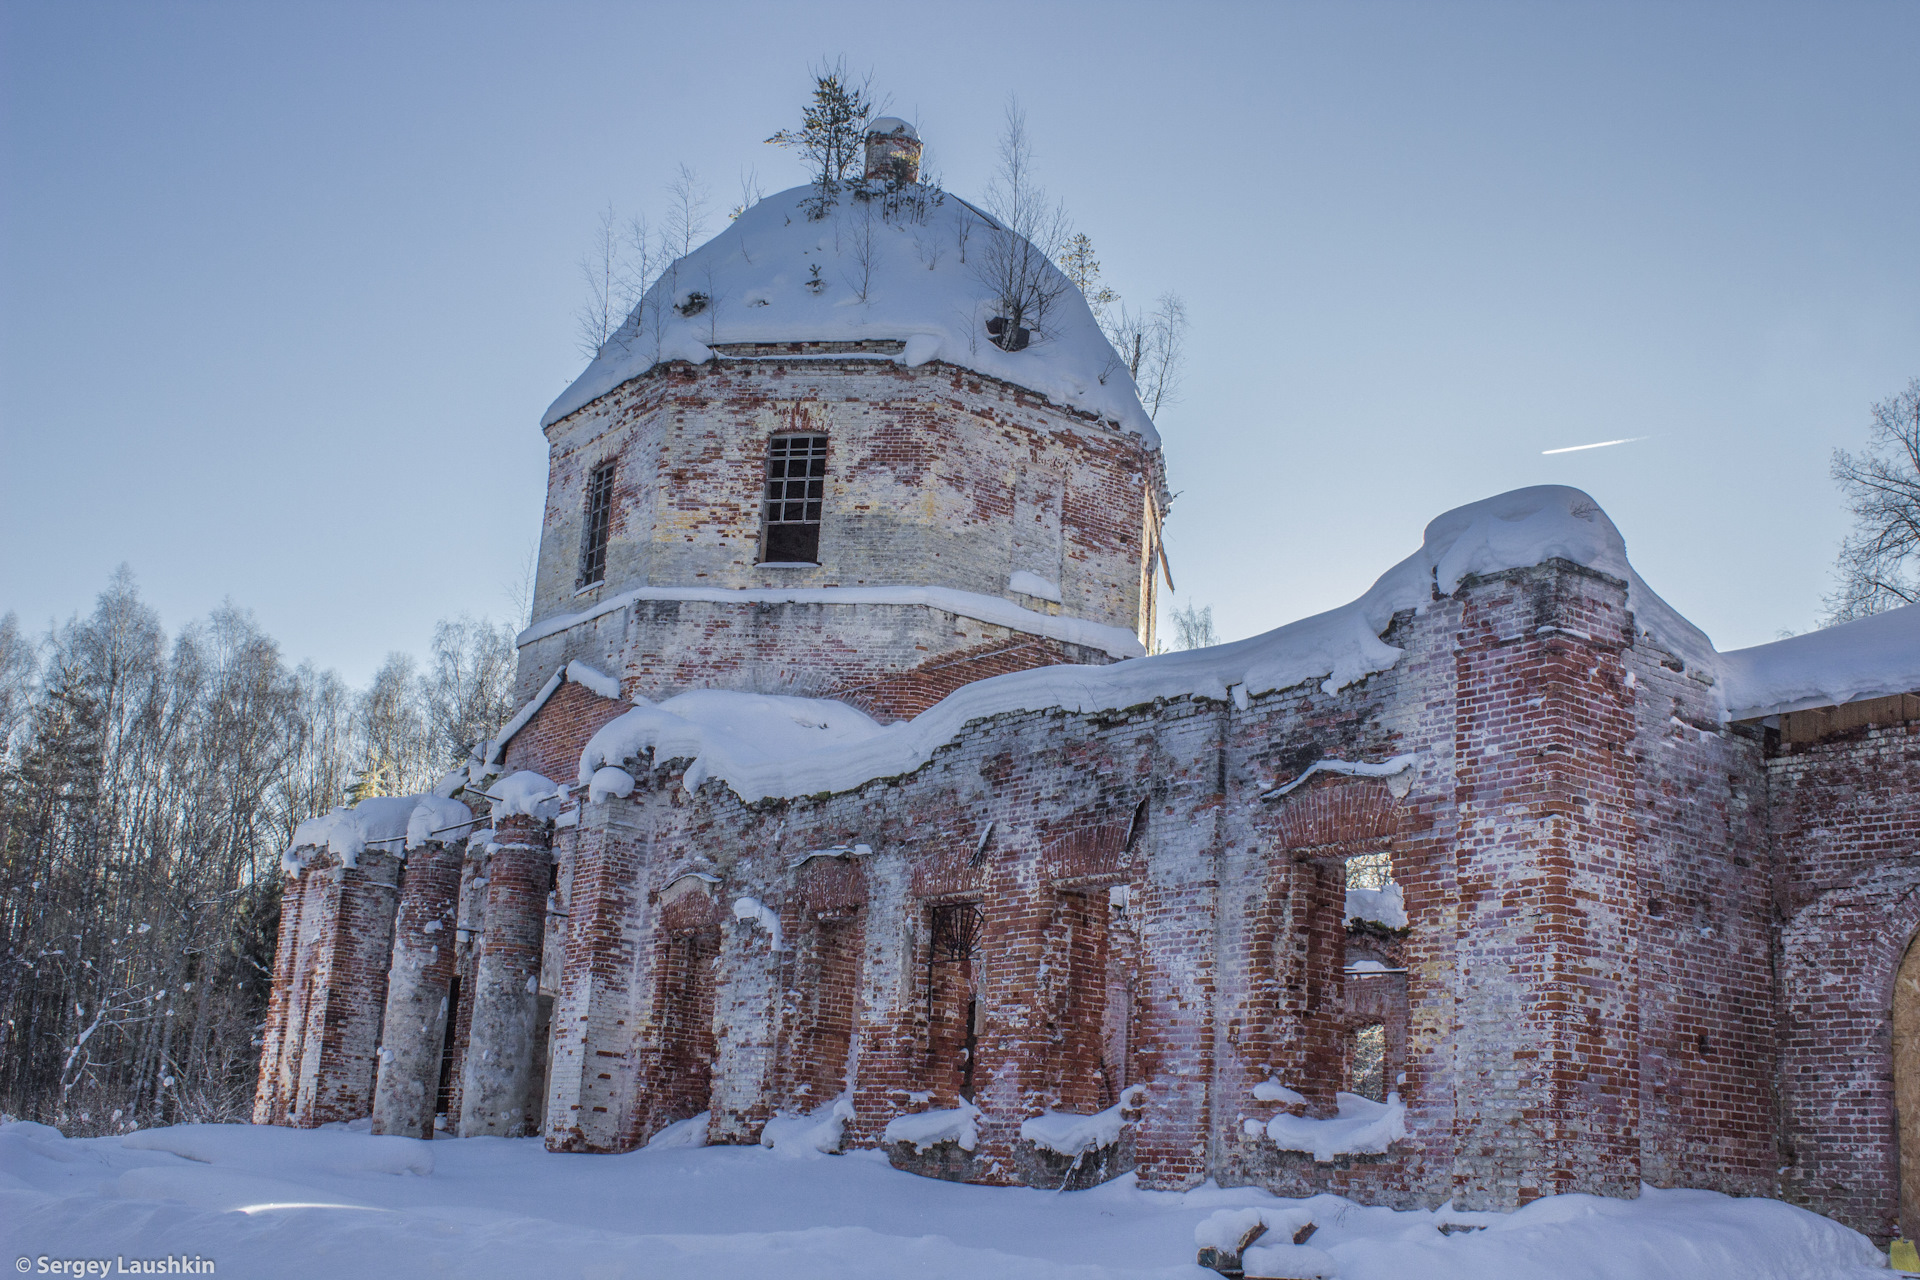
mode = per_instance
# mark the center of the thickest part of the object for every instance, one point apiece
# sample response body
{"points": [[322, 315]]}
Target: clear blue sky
{"points": [[286, 288]]}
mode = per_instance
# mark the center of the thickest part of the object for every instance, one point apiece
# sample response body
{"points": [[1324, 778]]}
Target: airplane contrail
{"points": [[1575, 448]]}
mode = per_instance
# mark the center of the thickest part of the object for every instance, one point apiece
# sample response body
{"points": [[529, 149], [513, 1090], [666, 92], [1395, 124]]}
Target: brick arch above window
{"points": [[832, 886], [687, 905], [1339, 813]]}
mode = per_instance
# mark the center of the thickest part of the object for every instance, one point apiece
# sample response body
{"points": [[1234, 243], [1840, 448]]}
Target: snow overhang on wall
{"points": [[763, 746], [1869, 658], [1117, 642]]}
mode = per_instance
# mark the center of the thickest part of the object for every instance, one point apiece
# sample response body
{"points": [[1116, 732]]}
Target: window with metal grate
{"points": [[593, 545], [796, 488]]}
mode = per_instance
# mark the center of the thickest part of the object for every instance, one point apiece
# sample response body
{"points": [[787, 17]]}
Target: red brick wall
{"points": [[1708, 1026], [906, 694], [1847, 826], [339, 990], [551, 742], [676, 1055]]}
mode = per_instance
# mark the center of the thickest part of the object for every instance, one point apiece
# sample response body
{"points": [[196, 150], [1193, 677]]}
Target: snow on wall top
{"points": [[737, 734], [765, 746], [1339, 647], [346, 832], [1868, 658], [1117, 641], [897, 277]]}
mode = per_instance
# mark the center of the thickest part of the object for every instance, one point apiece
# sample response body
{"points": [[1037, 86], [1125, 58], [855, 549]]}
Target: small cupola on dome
{"points": [[893, 151]]}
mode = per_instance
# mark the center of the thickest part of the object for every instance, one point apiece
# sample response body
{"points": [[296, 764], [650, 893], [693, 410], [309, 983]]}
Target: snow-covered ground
{"points": [[289, 1203]]}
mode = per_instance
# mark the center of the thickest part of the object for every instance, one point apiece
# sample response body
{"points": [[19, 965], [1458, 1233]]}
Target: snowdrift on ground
{"points": [[296, 1204]]}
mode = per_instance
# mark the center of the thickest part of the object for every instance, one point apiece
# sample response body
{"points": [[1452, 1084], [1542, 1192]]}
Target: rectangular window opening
{"points": [[593, 546], [1370, 871], [1368, 1074], [796, 489]]}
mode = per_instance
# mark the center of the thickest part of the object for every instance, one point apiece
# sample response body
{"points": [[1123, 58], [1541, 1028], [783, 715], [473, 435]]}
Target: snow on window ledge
{"points": [[1071, 1134], [928, 1129], [1362, 1127]]}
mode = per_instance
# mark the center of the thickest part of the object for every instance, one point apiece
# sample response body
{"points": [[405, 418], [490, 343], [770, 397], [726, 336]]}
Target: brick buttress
{"points": [[496, 1094], [415, 1036]]}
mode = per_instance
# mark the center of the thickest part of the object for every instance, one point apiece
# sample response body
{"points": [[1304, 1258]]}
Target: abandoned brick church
{"points": [[845, 809]]}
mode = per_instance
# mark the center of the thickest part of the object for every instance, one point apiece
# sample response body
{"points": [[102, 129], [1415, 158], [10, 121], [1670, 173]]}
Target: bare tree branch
{"points": [[1879, 562]]}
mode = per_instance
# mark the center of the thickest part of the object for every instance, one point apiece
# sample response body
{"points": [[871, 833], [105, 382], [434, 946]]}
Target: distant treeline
{"points": [[148, 785]]}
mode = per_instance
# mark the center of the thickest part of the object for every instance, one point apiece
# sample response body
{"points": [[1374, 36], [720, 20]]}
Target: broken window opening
{"points": [[593, 546], [953, 938], [1370, 871], [968, 1051], [796, 493], [1367, 1055]]}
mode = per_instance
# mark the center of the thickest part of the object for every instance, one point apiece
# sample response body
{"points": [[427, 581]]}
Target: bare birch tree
{"points": [[18, 666], [1016, 259], [1879, 562], [149, 790], [688, 199], [1152, 347], [603, 270]]}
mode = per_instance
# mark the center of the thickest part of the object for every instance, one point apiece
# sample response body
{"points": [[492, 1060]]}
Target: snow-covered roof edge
{"points": [[870, 269], [1338, 648], [1872, 657], [1117, 642]]}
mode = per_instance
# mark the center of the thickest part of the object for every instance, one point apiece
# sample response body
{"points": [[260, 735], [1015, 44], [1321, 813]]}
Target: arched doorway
{"points": [[1906, 1086]]}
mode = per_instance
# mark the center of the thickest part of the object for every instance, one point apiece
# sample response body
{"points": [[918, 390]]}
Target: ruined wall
{"points": [[1585, 995], [324, 1020], [1520, 1030], [1708, 1035], [1846, 825]]}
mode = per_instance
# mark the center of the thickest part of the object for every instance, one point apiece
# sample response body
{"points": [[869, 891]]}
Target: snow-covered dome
{"points": [[905, 267]]}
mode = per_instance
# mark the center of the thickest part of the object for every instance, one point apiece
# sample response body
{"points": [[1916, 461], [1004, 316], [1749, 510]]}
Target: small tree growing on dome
{"points": [[832, 133], [1017, 261]]}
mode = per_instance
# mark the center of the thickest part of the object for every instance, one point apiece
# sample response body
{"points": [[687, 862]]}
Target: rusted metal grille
{"points": [[593, 549], [796, 491], [956, 931], [443, 1097]]}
